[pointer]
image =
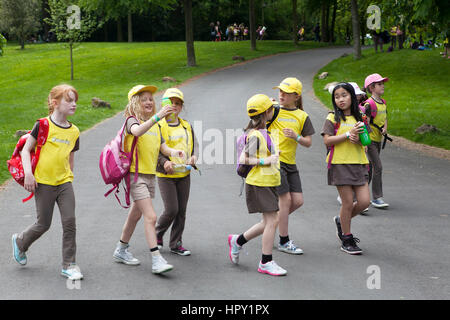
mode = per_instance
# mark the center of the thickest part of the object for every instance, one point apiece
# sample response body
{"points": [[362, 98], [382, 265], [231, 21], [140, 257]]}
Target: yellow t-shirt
{"points": [[347, 152], [379, 120], [53, 167], [265, 175], [177, 137], [291, 119], [148, 146]]}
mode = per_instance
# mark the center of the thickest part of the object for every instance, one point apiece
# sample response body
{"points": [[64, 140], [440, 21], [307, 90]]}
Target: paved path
{"points": [[409, 243]]}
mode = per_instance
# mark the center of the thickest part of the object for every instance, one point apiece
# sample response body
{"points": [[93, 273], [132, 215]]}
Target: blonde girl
{"points": [[52, 179], [141, 107], [293, 127], [260, 185]]}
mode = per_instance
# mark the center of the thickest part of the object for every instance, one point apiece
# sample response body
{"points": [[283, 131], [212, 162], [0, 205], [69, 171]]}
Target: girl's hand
{"points": [[164, 112], [168, 167], [354, 138], [357, 128], [192, 160], [384, 131], [273, 159], [289, 133], [30, 183], [178, 153]]}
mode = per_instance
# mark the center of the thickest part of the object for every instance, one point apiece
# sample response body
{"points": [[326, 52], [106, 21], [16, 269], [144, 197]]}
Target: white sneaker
{"points": [[234, 248], [271, 268], [379, 203], [72, 272], [160, 265], [122, 255], [289, 247]]}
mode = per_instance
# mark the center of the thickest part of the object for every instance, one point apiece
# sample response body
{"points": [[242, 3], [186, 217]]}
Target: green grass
{"points": [[417, 93], [103, 70]]}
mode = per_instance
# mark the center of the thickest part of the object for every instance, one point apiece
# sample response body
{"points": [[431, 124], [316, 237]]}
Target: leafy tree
{"points": [[69, 26], [2, 44], [20, 18]]}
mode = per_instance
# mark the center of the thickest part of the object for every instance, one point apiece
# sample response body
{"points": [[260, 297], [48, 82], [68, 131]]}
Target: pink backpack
{"points": [[115, 164]]}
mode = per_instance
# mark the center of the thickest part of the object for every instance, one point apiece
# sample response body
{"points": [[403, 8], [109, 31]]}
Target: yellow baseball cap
{"points": [[290, 85], [173, 93], [258, 104], [140, 88]]}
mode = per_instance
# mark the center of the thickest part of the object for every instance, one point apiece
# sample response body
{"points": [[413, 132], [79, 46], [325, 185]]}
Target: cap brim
{"points": [[152, 89], [285, 89]]}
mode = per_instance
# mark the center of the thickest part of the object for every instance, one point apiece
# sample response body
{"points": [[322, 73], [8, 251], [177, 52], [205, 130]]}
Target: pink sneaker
{"points": [[271, 268]]}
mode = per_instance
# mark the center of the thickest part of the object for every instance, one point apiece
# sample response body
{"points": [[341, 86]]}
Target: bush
{"points": [[2, 43]]}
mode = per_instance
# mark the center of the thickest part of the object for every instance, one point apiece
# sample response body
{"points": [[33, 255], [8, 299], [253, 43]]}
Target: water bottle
{"points": [[364, 137], [167, 102], [181, 168]]}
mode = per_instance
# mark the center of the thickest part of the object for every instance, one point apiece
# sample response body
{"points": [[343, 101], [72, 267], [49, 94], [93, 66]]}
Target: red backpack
{"points": [[15, 166]]}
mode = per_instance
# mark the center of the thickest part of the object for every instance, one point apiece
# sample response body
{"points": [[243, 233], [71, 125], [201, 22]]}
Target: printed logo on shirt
{"points": [[176, 137], [151, 133], [60, 141], [287, 120]]}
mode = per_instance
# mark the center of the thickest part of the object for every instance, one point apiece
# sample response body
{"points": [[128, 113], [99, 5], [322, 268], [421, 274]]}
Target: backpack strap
{"points": [[276, 111], [336, 128], [133, 147], [40, 141]]}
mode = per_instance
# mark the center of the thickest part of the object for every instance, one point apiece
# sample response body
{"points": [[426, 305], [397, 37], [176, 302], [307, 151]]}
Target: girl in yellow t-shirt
{"points": [[293, 127], [260, 185], [52, 179], [348, 163], [141, 106]]}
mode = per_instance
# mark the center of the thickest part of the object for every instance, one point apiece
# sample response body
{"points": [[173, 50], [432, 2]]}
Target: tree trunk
{"points": [[130, 28], [294, 21], [119, 30], [333, 22], [356, 33], [189, 33], [252, 21], [323, 23], [71, 60]]}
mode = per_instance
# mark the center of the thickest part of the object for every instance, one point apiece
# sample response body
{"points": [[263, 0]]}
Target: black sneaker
{"points": [[349, 244], [337, 220], [180, 251]]}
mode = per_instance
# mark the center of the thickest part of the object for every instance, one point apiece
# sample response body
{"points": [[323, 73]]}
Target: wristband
{"points": [[156, 118], [298, 138], [261, 161], [347, 134]]}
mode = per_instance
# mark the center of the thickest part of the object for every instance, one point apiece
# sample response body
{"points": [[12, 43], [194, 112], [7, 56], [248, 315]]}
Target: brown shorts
{"points": [[348, 175], [261, 199], [290, 179], [143, 188]]}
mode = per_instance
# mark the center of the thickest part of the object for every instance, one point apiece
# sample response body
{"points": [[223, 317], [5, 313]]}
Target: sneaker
{"points": [[72, 272], [271, 268], [234, 248], [122, 255], [379, 203], [337, 221], [364, 211], [349, 244], [160, 265], [18, 255], [180, 250], [289, 247], [159, 242]]}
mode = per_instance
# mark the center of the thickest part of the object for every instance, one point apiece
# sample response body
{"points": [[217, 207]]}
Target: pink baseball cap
{"points": [[375, 77]]}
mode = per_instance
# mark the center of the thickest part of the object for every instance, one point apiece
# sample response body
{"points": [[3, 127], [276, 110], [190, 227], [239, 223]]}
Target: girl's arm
{"points": [[352, 135], [71, 160], [247, 159], [140, 129], [30, 183], [170, 152], [384, 131]]}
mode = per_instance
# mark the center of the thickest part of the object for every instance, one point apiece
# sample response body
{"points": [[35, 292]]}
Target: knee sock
{"points": [[284, 240], [241, 240]]}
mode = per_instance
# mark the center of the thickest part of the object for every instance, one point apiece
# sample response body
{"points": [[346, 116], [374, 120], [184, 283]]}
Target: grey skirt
{"points": [[348, 175], [261, 199]]}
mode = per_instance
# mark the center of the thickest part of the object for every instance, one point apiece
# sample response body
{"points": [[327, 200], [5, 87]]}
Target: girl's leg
{"points": [[146, 207], [345, 214], [285, 204], [45, 198], [169, 195], [66, 204], [270, 220], [130, 224], [183, 187], [362, 199]]}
